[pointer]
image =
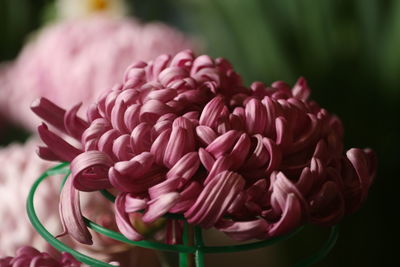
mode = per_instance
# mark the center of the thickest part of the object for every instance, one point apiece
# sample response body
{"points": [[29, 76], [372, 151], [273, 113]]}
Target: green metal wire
{"points": [[198, 249], [183, 257], [199, 256]]}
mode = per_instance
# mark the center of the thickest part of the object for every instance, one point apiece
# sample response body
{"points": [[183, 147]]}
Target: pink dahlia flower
{"points": [[73, 61], [183, 135], [28, 256]]}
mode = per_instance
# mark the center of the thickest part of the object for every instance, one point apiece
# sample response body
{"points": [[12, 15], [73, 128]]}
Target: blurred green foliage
{"points": [[349, 51]]}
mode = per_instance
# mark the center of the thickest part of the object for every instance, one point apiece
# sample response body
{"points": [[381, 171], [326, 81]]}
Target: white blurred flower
{"points": [[73, 9]]}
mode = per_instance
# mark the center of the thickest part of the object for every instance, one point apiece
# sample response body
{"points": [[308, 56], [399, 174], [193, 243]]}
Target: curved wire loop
{"points": [[198, 249]]}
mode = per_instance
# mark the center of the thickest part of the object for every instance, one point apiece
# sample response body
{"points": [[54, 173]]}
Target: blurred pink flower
{"points": [[74, 61], [20, 168], [183, 134], [28, 256]]}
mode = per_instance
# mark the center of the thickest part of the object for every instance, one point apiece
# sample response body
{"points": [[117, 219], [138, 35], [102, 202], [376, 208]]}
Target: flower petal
{"points": [[186, 167], [256, 117], [122, 219], [74, 125], [71, 215], [212, 112], [159, 206], [63, 150], [89, 171], [215, 199], [244, 230], [49, 112]]}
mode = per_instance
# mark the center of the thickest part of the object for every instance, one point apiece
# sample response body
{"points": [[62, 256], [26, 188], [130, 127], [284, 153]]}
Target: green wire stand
{"points": [[185, 250]]}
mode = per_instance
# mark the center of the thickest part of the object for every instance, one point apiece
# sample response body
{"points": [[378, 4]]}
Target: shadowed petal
{"points": [[241, 231], [122, 219], [60, 148]]}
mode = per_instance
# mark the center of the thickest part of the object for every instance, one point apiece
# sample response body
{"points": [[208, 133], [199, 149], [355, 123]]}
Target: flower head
{"points": [[28, 256], [183, 134]]}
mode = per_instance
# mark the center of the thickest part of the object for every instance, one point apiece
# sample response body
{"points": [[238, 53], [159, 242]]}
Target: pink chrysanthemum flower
{"points": [[183, 135], [28, 256], [72, 61]]}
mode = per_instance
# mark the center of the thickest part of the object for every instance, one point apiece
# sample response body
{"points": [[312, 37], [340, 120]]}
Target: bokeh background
{"points": [[349, 51]]}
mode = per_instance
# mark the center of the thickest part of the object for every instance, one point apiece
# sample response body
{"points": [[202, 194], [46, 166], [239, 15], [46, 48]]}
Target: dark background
{"points": [[349, 51]]}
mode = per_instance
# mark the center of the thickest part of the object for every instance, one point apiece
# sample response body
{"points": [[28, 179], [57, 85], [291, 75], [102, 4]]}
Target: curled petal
{"points": [[122, 219], [180, 143], [275, 154], [131, 116], [256, 117], [259, 156], [160, 63], [292, 216], [220, 165], [358, 171], [141, 138], [71, 215], [240, 151], [215, 199], [171, 74], [186, 167], [201, 62], [206, 159], [188, 197], [74, 125], [106, 142], [159, 146], [205, 134], [283, 133], [301, 89], [118, 116], [97, 128], [128, 175], [212, 112], [89, 171], [223, 144], [159, 206], [163, 95], [165, 187], [182, 59], [137, 185], [133, 204], [121, 147], [282, 186], [152, 110]]}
